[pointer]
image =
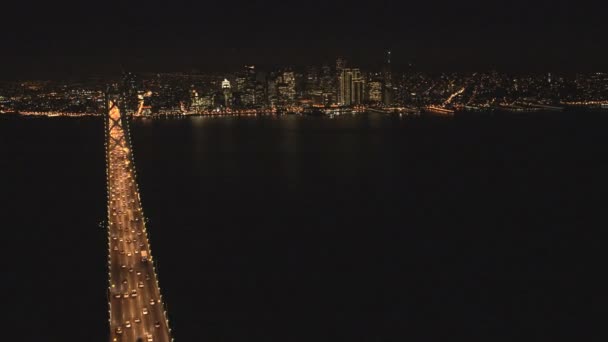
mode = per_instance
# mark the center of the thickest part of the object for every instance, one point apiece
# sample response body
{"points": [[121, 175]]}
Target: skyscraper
{"points": [[388, 79], [352, 88], [312, 79], [245, 86], [131, 87], [358, 90], [261, 96], [227, 92], [287, 87], [375, 91], [328, 83]]}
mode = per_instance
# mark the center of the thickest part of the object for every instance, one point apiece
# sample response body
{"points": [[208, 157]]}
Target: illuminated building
{"points": [[225, 84], [245, 86], [199, 103], [286, 87], [375, 91], [272, 91], [358, 91], [352, 87], [239, 83], [130, 85], [328, 85], [170, 93], [312, 79], [260, 92], [388, 79], [345, 85], [227, 91], [143, 106]]}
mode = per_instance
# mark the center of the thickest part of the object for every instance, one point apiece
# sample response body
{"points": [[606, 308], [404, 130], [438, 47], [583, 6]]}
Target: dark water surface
{"points": [[366, 228]]}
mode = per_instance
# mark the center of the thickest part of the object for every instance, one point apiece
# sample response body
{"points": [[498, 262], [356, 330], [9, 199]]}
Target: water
{"points": [[364, 228]]}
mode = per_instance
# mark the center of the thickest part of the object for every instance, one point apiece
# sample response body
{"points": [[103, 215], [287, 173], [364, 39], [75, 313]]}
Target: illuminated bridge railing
{"points": [[136, 307]]}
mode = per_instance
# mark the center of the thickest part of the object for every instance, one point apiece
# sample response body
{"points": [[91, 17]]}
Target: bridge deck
{"points": [[136, 307]]}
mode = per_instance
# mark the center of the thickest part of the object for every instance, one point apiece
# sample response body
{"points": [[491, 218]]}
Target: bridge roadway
{"points": [[136, 308]]}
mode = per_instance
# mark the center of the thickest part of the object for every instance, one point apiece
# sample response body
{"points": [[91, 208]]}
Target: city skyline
{"points": [[315, 89]]}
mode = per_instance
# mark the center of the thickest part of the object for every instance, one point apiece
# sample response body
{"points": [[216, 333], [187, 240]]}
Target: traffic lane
{"points": [[151, 290], [130, 272], [136, 304]]}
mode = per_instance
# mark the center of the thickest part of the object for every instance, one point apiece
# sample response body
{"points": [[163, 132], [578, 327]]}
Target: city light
{"points": [[313, 91]]}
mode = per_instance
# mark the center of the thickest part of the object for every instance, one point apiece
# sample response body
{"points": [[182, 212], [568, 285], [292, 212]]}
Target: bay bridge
{"points": [[136, 307]]}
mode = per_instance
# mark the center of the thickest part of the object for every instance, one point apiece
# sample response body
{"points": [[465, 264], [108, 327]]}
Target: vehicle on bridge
{"points": [[144, 256]]}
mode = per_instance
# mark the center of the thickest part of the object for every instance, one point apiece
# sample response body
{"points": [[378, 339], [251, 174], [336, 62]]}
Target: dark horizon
{"points": [[79, 67], [64, 39]]}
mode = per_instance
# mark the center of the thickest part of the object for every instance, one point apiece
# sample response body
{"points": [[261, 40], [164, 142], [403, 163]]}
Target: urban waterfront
{"points": [[363, 227]]}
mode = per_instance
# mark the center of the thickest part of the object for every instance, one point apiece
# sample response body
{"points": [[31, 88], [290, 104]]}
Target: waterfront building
{"points": [[352, 87]]}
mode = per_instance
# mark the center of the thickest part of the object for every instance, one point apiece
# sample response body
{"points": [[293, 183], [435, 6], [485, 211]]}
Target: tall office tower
{"points": [[388, 79], [312, 79], [351, 86], [226, 84], [272, 92], [340, 65], [326, 78], [239, 82], [199, 102], [300, 85], [195, 104], [286, 87], [227, 91], [245, 85], [260, 94], [358, 90], [375, 91], [131, 86], [345, 89], [261, 91], [248, 96], [327, 85], [250, 72]]}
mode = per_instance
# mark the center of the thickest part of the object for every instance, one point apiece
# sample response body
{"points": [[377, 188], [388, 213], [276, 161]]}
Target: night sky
{"points": [[61, 38]]}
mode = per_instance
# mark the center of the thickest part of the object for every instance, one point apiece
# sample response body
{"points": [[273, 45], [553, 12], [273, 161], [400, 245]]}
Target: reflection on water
{"points": [[289, 148], [292, 227]]}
